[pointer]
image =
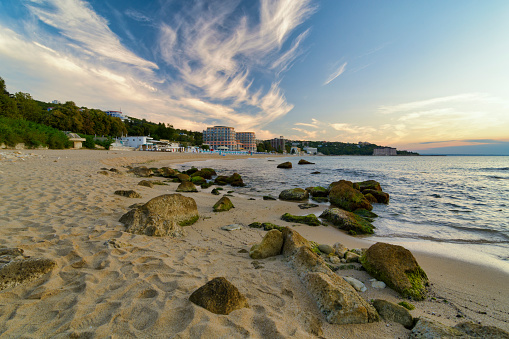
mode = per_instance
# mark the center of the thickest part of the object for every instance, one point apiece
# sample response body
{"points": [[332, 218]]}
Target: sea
{"points": [[455, 206]]}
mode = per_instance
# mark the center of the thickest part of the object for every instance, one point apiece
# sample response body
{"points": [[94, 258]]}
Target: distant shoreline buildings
{"points": [[223, 138]]}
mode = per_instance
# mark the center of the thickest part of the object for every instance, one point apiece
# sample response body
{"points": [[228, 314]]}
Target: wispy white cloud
{"points": [[215, 53], [420, 104], [335, 74], [206, 66], [77, 21]]}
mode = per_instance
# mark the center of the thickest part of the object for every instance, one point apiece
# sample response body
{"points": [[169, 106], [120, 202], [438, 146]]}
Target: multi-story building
{"points": [[246, 141], [220, 138], [278, 143], [225, 138], [385, 151]]}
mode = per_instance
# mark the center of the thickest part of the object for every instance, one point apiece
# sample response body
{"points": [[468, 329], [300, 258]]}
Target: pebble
{"points": [[232, 227], [377, 284]]}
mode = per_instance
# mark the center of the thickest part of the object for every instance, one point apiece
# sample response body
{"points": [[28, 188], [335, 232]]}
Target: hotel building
{"points": [[226, 139]]}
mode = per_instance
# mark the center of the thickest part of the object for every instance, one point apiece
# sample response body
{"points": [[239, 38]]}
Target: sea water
{"points": [[452, 204]]}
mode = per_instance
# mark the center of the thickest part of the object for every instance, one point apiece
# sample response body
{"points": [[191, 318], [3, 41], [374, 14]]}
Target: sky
{"points": [[429, 76]]}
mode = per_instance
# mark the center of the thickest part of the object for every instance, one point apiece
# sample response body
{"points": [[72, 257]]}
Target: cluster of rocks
{"points": [[288, 164], [351, 203], [188, 179]]}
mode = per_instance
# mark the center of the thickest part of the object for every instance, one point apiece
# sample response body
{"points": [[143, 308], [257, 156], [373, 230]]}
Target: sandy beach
{"points": [[55, 205]]}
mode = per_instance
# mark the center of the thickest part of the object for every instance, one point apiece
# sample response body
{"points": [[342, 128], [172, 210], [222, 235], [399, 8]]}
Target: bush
{"points": [[14, 131]]}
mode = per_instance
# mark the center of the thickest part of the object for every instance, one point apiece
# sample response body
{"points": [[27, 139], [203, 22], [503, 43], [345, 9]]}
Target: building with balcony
{"points": [[220, 138], [246, 141], [116, 114]]}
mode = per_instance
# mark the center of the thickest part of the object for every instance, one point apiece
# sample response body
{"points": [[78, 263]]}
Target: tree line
{"points": [[82, 120]]}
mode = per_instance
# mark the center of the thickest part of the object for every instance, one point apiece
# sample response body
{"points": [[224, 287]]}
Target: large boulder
{"points": [[429, 329], [347, 221], [294, 194], [24, 270], [380, 196], [397, 267], [343, 195], [219, 296], [186, 186], [146, 183], [337, 300], [393, 312], [270, 246], [287, 164], [224, 204], [309, 219], [162, 216]]}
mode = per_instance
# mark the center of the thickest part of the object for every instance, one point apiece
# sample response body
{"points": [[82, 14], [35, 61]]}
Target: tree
{"points": [[27, 107]]}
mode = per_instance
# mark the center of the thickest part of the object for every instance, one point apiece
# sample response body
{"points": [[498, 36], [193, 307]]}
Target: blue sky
{"points": [[414, 75]]}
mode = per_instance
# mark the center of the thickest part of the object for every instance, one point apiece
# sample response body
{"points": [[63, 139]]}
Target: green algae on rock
{"points": [[397, 267], [309, 219]]}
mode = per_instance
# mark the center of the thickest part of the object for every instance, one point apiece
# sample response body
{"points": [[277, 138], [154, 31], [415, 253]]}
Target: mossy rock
{"points": [[371, 198], [318, 191], [347, 221], [255, 224], [287, 164], [206, 185], [294, 194], [397, 267], [215, 191], [368, 185], [267, 226], [407, 305], [183, 177], [197, 180], [187, 186], [343, 195], [224, 204], [380, 196], [206, 173], [128, 194], [221, 180], [191, 171], [309, 219]]}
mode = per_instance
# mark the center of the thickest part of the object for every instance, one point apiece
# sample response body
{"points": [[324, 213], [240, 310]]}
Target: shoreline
{"points": [[55, 202]]}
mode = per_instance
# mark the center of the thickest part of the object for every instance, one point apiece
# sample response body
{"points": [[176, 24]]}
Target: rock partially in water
{"points": [[305, 162], [219, 296], [347, 221], [287, 164], [343, 195]]}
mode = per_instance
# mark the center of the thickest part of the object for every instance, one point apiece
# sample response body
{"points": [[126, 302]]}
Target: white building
{"points": [[116, 114], [310, 150], [137, 142]]}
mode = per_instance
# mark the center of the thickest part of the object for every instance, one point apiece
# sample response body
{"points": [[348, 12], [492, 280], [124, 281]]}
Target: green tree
{"points": [[27, 107]]}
